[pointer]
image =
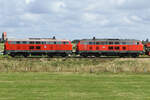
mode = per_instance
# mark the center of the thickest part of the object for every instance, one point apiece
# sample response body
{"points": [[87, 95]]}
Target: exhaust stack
{"points": [[4, 37]]}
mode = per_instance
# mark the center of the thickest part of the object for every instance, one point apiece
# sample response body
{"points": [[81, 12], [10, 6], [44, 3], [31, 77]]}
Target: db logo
{"points": [[45, 46], [104, 47]]}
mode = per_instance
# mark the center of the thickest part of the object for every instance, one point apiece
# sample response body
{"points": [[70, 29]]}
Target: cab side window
{"points": [[111, 43], [17, 42], [65, 42], [110, 47], [24, 42], [9, 42], [31, 47], [31, 42], [117, 43]]}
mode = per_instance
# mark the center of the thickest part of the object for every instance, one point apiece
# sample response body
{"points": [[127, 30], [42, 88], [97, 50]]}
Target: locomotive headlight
{"points": [[103, 47]]}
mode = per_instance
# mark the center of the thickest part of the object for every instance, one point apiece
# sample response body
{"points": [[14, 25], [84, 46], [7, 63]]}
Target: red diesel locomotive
{"points": [[109, 47], [37, 46]]}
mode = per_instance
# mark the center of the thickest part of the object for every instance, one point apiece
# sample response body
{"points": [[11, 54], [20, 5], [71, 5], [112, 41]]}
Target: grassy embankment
{"points": [[75, 65], [63, 86]]}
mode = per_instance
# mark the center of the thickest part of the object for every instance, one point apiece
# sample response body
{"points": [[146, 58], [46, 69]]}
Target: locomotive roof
{"points": [[35, 39], [110, 40]]}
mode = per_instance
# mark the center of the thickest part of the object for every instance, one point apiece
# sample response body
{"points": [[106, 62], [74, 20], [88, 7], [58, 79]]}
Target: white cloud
{"points": [[94, 20], [58, 6], [90, 7], [104, 4], [89, 17], [121, 2], [104, 22], [127, 20], [30, 17], [29, 1], [118, 2], [136, 18]]}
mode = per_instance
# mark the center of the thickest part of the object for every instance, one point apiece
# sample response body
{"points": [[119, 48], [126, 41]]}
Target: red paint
{"points": [[148, 53], [147, 44]]}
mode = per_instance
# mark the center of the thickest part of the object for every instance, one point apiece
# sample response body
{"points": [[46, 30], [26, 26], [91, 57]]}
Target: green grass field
{"points": [[68, 86]]}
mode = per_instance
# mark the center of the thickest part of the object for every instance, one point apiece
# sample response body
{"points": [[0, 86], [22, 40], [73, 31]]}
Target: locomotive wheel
{"points": [[122, 56], [85, 56], [97, 55], [64, 55], [12, 55], [134, 56], [25, 55], [50, 56]]}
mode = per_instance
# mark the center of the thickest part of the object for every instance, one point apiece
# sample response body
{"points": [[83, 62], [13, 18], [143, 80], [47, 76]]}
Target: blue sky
{"points": [[75, 19]]}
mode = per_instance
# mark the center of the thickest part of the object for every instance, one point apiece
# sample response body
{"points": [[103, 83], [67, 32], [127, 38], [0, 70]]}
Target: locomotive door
{"points": [[91, 46], [58, 45], [85, 46], [117, 47], [124, 47], [50, 46], [44, 46], [129, 46]]}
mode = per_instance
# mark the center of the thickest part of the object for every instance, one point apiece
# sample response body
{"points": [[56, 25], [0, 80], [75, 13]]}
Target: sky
{"points": [[75, 19]]}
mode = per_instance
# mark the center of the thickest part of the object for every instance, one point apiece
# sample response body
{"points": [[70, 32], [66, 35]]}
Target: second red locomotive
{"points": [[110, 47]]}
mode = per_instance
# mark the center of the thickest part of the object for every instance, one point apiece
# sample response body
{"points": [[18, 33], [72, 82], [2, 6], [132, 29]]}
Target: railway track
{"points": [[103, 57]]}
